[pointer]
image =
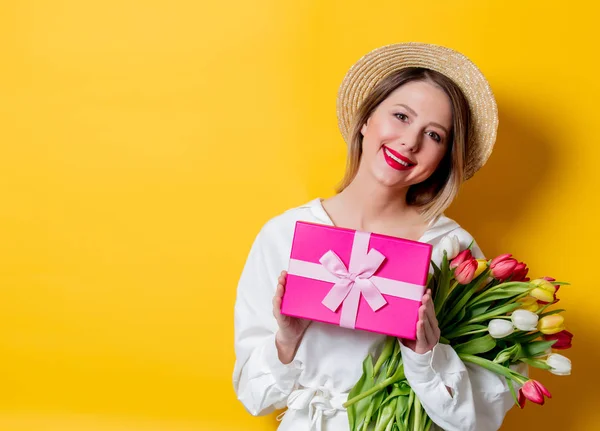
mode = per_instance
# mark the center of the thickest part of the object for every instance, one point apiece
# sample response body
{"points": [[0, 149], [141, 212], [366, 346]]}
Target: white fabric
{"points": [[328, 361]]}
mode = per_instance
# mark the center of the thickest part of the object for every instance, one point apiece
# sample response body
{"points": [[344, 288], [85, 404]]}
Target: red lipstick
{"points": [[397, 160]]}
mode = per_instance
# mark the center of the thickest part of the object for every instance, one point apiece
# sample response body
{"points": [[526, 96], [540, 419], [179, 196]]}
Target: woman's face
{"points": [[406, 137]]}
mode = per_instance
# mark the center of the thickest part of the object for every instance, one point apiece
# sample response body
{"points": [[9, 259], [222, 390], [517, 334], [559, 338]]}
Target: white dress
{"points": [[329, 359]]}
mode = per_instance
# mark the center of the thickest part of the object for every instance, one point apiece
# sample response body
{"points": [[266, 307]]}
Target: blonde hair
{"points": [[437, 192]]}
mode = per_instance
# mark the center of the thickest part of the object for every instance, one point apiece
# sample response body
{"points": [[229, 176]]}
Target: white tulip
{"points": [[500, 328], [451, 244], [524, 320], [561, 365]]}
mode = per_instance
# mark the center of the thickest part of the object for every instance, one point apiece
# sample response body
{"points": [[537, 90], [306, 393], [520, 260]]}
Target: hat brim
{"points": [[379, 63]]}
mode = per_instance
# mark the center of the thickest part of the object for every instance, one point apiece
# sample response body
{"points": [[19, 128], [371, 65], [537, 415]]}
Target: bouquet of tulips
{"points": [[492, 315]]}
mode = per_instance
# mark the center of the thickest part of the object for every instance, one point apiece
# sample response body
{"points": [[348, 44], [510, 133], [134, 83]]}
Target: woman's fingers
{"points": [[429, 333], [430, 329], [428, 302], [421, 337]]}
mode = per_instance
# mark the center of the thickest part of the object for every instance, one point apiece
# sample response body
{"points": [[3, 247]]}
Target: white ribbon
{"points": [[320, 402]]}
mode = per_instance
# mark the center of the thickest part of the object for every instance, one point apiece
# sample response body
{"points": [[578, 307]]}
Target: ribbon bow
{"points": [[354, 281]]}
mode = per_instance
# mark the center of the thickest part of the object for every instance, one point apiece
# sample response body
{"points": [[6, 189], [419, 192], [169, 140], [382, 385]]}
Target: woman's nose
{"points": [[411, 140]]}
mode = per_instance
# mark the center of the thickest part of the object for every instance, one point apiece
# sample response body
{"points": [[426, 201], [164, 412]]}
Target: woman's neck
{"points": [[368, 206]]}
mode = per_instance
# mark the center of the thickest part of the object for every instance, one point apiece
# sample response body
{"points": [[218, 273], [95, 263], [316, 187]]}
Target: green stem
{"points": [[398, 375], [496, 368], [387, 351], [418, 410]]}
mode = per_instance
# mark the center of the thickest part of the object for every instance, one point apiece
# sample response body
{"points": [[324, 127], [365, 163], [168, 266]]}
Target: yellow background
{"points": [[144, 143]]}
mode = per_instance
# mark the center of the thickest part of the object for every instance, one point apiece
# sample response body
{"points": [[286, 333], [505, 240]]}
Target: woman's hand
{"points": [[291, 329], [428, 332]]}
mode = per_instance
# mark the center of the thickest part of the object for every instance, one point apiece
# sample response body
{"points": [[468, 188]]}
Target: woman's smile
{"points": [[396, 160]]}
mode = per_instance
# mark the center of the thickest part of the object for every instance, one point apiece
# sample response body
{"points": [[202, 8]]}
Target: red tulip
{"points": [[564, 338], [461, 257], [534, 391], [520, 272], [465, 272], [503, 266], [521, 399]]}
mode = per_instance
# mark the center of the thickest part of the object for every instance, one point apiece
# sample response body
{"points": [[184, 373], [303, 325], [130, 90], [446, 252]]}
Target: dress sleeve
{"points": [[262, 383], [480, 398]]}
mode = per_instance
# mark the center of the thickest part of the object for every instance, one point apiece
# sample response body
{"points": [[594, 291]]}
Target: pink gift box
{"points": [[356, 279]]}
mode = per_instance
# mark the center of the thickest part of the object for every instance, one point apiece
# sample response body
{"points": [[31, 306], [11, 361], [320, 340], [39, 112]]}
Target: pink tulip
{"points": [[465, 272], [520, 272], [534, 391], [503, 266], [564, 339], [461, 257]]}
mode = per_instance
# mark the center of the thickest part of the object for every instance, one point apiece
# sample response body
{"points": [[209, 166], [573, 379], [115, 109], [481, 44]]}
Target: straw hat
{"points": [[379, 63]]}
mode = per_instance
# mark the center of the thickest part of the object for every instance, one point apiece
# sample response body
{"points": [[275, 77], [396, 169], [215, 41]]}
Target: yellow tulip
{"points": [[481, 266], [551, 324], [545, 291], [529, 303]]}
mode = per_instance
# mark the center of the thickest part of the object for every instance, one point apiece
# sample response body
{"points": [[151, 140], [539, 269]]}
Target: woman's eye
{"points": [[401, 117], [435, 136]]}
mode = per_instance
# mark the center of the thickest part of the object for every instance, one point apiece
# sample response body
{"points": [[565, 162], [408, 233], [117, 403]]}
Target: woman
{"points": [[419, 119]]}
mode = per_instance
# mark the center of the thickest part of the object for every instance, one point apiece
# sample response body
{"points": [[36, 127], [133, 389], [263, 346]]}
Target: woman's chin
{"points": [[391, 180]]}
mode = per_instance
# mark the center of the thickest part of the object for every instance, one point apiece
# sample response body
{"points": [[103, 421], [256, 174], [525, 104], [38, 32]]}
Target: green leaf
{"points": [[396, 392], [356, 412], [480, 299], [477, 345], [386, 353], [478, 310], [464, 330], [536, 363], [401, 407], [458, 307], [522, 337], [509, 382], [409, 417], [387, 415], [443, 285], [536, 348], [498, 311], [509, 354], [548, 313], [507, 293]]}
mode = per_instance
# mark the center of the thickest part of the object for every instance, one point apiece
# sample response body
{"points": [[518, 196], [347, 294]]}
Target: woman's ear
{"points": [[364, 127]]}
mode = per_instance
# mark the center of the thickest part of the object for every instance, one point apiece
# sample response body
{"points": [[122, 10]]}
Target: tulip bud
{"points": [[564, 339], [551, 324], [529, 303], [502, 267], [465, 272], [524, 320], [461, 257], [561, 365], [556, 287], [481, 266], [544, 292], [500, 328], [534, 391], [450, 245], [520, 272]]}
